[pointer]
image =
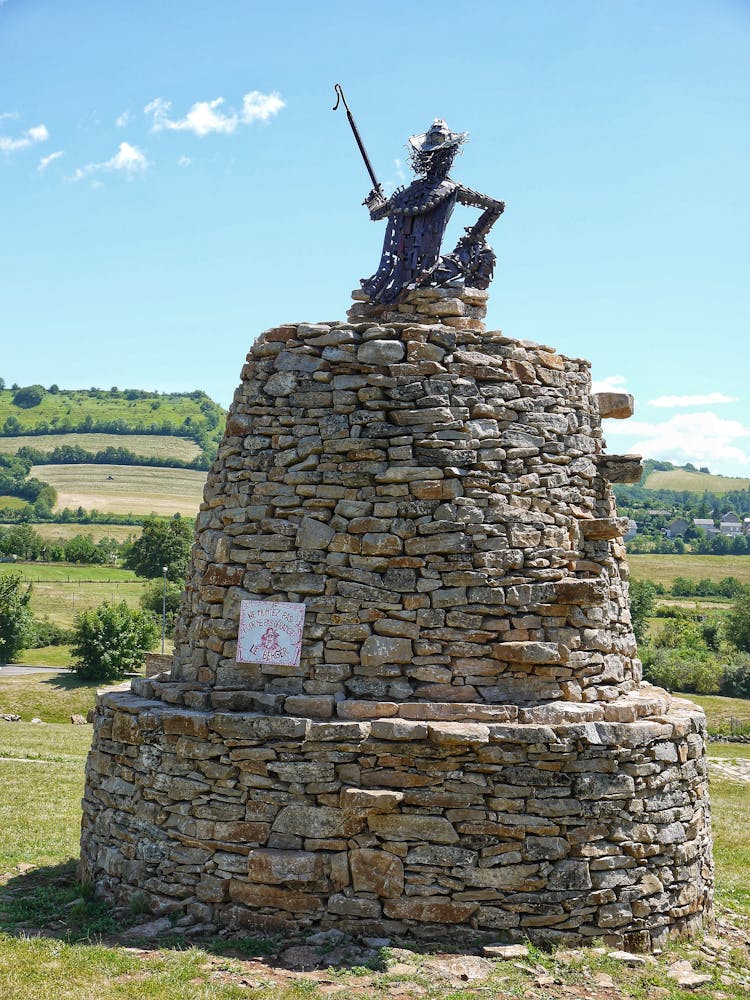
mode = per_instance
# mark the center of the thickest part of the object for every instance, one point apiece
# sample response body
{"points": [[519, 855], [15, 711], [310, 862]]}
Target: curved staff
{"points": [[340, 97]]}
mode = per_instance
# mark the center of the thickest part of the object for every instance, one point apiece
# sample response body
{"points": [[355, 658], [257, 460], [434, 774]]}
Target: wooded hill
{"points": [[109, 428]]}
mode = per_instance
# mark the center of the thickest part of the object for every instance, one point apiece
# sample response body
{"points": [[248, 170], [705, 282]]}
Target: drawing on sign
{"points": [[270, 632]]}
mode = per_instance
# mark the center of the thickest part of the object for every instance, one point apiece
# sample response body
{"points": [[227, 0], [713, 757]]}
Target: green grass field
{"points": [[60, 533], [130, 490], [664, 568], [695, 482], [147, 445], [74, 406], [42, 775], [13, 502], [60, 591]]}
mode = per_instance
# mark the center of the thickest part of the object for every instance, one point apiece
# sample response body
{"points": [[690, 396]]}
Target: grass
{"points": [[41, 770], [146, 445], [74, 406], [53, 698], [60, 590], [14, 503], [132, 489], [664, 568], [59, 533], [46, 656], [720, 710], [695, 482]]}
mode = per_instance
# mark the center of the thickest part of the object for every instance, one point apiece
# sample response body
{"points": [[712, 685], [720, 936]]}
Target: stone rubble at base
{"points": [[466, 747]]}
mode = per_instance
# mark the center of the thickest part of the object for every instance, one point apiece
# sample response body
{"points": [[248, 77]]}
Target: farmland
{"points": [[146, 445], [694, 482], [60, 591], [132, 489], [664, 568], [57, 533]]}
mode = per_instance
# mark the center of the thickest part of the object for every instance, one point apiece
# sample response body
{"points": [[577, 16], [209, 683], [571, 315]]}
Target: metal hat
{"points": [[438, 136]]}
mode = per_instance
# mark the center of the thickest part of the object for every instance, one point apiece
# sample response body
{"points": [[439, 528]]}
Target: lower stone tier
{"points": [[395, 827]]}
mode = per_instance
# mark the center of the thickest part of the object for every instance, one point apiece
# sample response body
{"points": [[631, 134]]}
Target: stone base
{"points": [[560, 833]]}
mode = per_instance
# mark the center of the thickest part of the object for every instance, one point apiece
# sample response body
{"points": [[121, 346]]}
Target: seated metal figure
{"points": [[417, 219]]}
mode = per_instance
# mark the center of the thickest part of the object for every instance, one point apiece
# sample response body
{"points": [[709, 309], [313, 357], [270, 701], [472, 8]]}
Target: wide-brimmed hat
{"points": [[438, 136]]}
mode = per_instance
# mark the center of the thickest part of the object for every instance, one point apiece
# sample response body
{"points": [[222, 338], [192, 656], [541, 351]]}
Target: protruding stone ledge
{"points": [[603, 528], [614, 405], [620, 468]]}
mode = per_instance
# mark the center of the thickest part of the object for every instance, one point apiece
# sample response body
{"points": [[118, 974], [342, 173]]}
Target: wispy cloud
{"points": [[699, 399], [184, 161], [38, 133], [611, 383], [128, 159], [205, 117], [688, 437], [46, 160], [124, 119]]}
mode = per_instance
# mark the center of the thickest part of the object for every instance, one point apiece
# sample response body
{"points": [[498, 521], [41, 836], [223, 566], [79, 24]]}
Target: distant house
{"points": [[746, 526], [707, 523], [676, 527], [730, 524]]}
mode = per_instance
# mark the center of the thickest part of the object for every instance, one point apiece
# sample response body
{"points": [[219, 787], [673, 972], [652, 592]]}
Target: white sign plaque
{"points": [[270, 632]]}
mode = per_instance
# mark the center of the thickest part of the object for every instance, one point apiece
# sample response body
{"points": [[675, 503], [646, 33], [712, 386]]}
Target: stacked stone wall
{"points": [[559, 834], [466, 749]]}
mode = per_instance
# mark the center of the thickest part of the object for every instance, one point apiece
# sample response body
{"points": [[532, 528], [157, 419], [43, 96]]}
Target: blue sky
{"points": [[173, 181]]}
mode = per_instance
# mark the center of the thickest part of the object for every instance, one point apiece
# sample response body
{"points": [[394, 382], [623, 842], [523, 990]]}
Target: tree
{"points": [[738, 622], [16, 620], [30, 395], [22, 541], [81, 549], [642, 595], [163, 543], [110, 640], [152, 599]]}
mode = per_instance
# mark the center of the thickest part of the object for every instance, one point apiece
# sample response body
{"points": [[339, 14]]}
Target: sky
{"points": [[173, 181]]}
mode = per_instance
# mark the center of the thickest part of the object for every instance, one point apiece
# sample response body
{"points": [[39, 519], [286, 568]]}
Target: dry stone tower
{"points": [[466, 748]]}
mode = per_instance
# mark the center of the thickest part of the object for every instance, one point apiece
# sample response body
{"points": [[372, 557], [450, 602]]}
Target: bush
{"points": [[681, 670], [736, 683], [110, 640], [16, 620], [642, 595], [162, 543], [46, 633], [153, 596], [738, 622], [29, 396]]}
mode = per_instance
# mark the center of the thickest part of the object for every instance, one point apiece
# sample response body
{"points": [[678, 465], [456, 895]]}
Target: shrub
{"points": [[153, 596], [110, 640], [681, 670], [736, 683], [738, 622], [30, 395], [16, 620], [642, 594]]}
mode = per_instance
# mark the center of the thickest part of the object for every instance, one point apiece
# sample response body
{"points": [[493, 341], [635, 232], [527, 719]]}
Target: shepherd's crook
{"points": [[340, 97]]}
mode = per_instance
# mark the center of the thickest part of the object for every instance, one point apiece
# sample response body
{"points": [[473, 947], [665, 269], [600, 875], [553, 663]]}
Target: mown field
{"points": [[695, 482], [130, 490], [664, 568], [146, 445], [80, 953], [56, 533]]}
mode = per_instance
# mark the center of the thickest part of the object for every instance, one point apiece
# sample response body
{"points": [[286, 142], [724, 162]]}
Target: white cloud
{"points": [[704, 399], [205, 117], [184, 161], [612, 383], [124, 119], [38, 133], [46, 160], [128, 159], [261, 107], [202, 119], [688, 437]]}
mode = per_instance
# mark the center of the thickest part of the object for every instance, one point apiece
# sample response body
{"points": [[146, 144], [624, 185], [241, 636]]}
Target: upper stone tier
{"points": [[436, 495]]}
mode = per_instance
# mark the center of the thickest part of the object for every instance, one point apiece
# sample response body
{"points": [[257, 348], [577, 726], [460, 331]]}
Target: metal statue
{"points": [[418, 216]]}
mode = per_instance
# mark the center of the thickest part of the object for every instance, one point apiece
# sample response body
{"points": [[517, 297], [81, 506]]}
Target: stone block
{"points": [[376, 871], [292, 869], [429, 909], [257, 895], [370, 800], [317, 821], [413, 827], [379, 649]]}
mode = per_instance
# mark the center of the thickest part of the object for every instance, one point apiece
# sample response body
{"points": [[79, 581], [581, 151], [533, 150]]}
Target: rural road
{"points": [[18, 669]]}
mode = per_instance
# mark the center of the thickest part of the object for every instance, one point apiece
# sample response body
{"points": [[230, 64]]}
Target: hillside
{"points": [[84, 455], [38, 411], [681, 479]]}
